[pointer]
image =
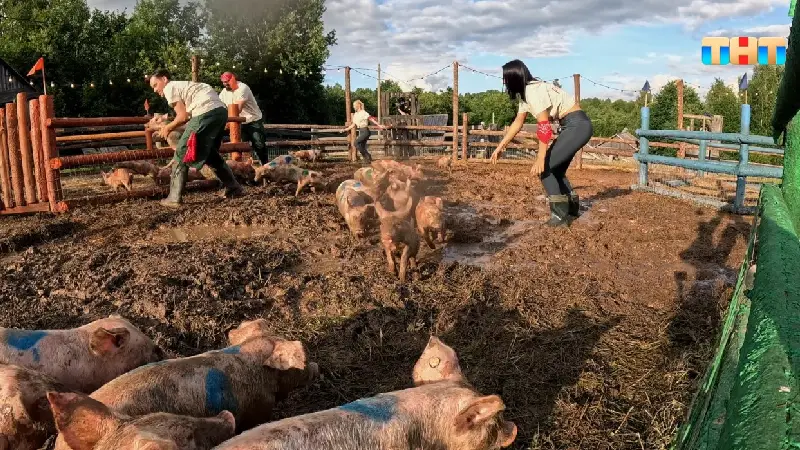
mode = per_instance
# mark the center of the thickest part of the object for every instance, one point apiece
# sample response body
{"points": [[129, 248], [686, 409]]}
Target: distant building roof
{"points": [[12, 83]]}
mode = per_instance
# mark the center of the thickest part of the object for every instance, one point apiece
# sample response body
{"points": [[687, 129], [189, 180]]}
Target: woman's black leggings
{"points": [[361, 143], [576, 131]]}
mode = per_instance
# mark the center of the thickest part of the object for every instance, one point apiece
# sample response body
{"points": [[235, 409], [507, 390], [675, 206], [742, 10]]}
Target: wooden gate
{"points": [[400, 151]]}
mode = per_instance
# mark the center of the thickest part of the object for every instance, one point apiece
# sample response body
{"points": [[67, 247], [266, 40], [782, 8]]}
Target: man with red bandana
{"points": [[253, 127]]}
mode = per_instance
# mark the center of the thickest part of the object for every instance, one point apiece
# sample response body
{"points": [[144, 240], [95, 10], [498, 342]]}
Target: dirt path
{"points": [[595, 336]]}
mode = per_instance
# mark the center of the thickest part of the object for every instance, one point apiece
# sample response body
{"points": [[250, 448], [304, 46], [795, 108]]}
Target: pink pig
{"points": [[430, 219], [356, 204], [246, 379], [86, 424], [118, 178], [25, 418], [84, 358], [443, 411]]}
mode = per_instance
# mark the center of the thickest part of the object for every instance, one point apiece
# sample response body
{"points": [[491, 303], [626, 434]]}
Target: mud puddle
{"points": [[481, 254]]}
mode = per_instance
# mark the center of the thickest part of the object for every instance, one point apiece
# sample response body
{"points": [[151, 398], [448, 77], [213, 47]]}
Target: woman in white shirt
{"points": [[545, 101], [361, 120], [200, 106]]}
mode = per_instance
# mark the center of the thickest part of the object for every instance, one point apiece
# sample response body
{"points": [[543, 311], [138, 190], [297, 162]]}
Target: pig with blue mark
{"points": [[83, 358], [86, 424], [356, 203], [282, 160], [247, 379], [442, 412], [26, 421]]}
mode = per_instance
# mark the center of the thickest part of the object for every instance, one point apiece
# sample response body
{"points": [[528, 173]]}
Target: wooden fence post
{"points": [[235, 129], [25, 148], [682, 148], [455, 111], [12, 134], [38, 152], [195, 68], [464, 141], [53, 175], [5, 169], [351, 150]]}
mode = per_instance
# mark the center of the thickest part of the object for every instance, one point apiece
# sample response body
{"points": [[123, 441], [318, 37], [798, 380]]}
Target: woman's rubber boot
{"points": [[180, 173], [559, 211], [232, 187], [574, 205]]}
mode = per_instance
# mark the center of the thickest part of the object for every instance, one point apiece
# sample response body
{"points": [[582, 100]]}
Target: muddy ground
{"points": [[595, 336]]}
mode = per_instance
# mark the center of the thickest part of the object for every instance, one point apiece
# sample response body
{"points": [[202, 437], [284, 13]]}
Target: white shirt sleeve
{"points": [[172, 94], [243, 94]]}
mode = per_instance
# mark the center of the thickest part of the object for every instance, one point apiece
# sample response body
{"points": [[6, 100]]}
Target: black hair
{"points": [[516, 76], [163, 73]]}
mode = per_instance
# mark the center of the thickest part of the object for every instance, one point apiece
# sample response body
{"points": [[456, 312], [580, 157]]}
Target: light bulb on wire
{"points": [[280, 71], [91, 85], [72, 85], [129, 80]]}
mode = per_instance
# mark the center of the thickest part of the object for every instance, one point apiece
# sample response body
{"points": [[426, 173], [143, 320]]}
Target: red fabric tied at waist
{"points": [[191, 149]]}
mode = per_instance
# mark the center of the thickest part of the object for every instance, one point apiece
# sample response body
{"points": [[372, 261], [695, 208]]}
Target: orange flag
{"points": [[37, 67]]}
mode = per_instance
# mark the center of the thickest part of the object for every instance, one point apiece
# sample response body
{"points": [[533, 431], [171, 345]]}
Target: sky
{"points": [[615, 45]]}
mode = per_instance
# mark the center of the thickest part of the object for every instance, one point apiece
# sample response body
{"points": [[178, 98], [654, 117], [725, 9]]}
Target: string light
{"points": [[280, 71], [110, 82], [129, 80], [265, 70], [91, 85], [295, 72], [72, 85]]}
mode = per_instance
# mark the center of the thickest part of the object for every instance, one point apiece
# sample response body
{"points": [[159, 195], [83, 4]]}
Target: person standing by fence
{"points": [[361, 120], [199, 107], [545, 101], [253, 127]]}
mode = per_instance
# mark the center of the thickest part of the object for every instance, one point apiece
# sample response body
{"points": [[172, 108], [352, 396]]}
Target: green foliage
{"points": [[761, 95], [664, 111], [721, 100]]}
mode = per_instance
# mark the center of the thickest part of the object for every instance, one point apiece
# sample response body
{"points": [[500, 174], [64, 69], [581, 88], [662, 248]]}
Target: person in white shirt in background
{"points": [[361, 120], [545, 101], [253, 127], [198, 106]]}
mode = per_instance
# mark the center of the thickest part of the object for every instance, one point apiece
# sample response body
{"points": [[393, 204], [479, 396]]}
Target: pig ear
{"points": [[439, 201], [287, 355], [229, 420], [106, 341], [438, 362], [508, 434], [152, 442], [81, 420], [479, 412], [246, 330]]}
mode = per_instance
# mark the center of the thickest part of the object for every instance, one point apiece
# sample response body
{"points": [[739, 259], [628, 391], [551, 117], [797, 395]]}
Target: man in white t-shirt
{"points": [[198, 106], [253, 127]]}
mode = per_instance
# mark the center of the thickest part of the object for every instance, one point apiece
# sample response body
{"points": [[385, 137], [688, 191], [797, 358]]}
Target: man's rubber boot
{"points": [[180, 173], [574, 205], [232, 187], [559, 211]]}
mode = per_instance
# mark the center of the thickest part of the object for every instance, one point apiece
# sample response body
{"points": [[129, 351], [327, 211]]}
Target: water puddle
{"points": [[481, 254], [207, 232]]}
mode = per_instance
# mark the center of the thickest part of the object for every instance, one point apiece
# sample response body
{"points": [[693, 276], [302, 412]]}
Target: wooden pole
{"points": [[5, 169], [349, 113], [682, 148], [47, 114], [455, 112], [195, 68], [38, 153], [380, 132], [464, 141], [576, 81], [12, 133], [148, 139], [25, 148], [235, 129]]}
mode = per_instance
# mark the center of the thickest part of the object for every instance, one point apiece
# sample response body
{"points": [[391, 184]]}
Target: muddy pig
{"points": [[165, 173], [249, 329], [144, 168], [445, 162], [25, 418], [243, 170], [430, 219], [86, 424], [397, 193], [370, 177], [303, 177], [159, 121], [118, 178], [443, 411], [83, 358], [245, 379], [307, 155], [356, 206], [282, 160], [398, 233]]}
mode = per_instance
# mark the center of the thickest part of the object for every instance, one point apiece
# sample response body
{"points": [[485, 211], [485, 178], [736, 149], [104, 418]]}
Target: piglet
{"points": [[282, 160], [86, 424], [446, 163], [246, 379], [443, 411], [84, 358], [397, 193], [356, 206], [307, 155], [144, 168], [303, 177], [118, 178], [159, 121], [25, 418], [165, 174], [243, 170], [430, 219], [398, 233], [368, 176]]}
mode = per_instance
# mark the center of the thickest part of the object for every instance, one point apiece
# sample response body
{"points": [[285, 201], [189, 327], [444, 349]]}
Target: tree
{"points": [[664, 112], [721, 100], [761, 95], [484, 106]]}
